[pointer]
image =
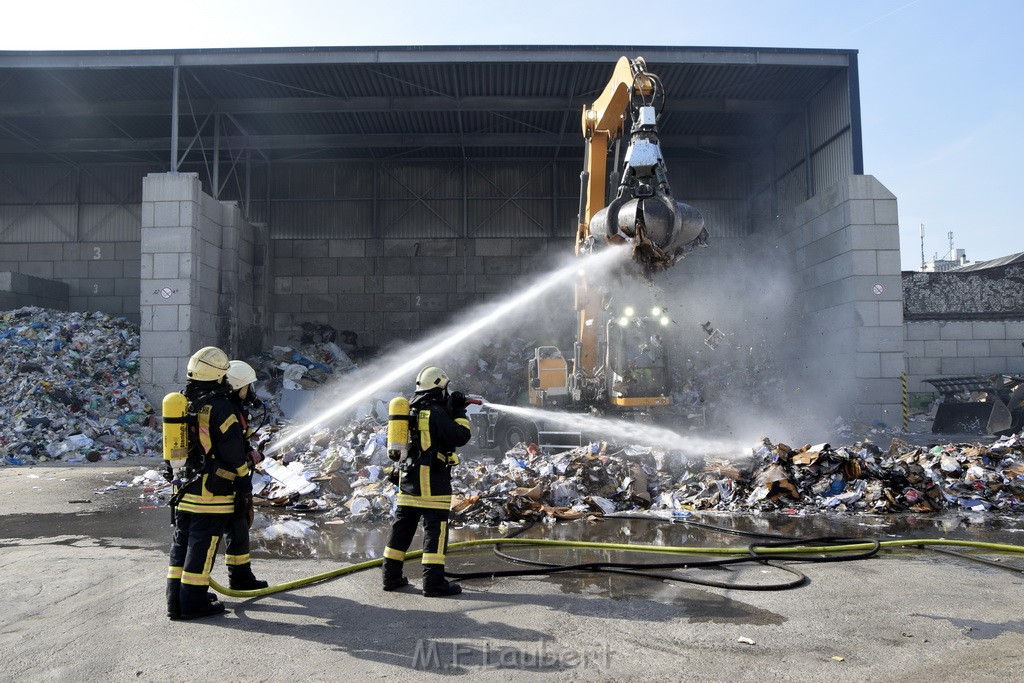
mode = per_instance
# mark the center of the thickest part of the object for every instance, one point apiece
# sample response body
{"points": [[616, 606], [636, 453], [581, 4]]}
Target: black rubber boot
{"points": [[196, 603], [435, 585], [173, 599], [393, 577], [241, 578], [210, 610]]}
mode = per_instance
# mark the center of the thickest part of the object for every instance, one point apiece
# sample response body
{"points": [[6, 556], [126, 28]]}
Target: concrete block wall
{"points": [[100, 276], [947, 348], [191, 257], [253, 290], [993, 293], [963, 323], [387, 290], [843, 247], [18, 290]]}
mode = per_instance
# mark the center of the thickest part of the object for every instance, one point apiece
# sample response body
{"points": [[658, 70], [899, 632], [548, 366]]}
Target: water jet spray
{"points": [[625, 431], [421, 353]]}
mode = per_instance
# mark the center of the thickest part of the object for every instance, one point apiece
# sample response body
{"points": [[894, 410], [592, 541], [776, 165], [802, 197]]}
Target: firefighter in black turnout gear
{"points": [[437, 426], [241, 377], [205, 497]]}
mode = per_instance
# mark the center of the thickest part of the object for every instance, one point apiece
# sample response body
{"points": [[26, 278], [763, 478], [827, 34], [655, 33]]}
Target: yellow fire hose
{"points": [[779, 553]]}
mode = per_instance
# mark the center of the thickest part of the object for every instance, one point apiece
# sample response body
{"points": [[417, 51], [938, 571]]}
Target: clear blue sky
{"points": [[942, 91]]}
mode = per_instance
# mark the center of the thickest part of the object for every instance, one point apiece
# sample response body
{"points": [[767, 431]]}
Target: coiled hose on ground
{"points": [[827, 549]]}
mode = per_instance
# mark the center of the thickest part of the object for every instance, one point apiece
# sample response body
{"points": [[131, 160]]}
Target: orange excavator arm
{"points": [[604, 121], [643, 212]]}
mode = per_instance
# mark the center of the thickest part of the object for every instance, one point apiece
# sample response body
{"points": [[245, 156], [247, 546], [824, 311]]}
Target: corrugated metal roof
{"points": [[1010, 260], [404, 102]]}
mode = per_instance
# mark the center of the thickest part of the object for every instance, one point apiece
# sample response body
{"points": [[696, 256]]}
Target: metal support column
{"points": [[174, 121], [215, 181], [554, 199], [266, 217], [808, 169], [248, 182], [465, 221]]}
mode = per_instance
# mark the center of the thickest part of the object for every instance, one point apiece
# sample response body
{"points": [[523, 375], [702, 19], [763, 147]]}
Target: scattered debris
{"points": [[344, 473]]}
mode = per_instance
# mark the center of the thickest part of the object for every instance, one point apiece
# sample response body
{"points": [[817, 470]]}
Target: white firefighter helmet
{"points": [[240, 374], [431, 377], [208, 364]]}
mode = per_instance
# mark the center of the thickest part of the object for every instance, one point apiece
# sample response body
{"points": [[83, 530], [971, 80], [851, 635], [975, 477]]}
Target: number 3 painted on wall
{"points": [[96, 254]]}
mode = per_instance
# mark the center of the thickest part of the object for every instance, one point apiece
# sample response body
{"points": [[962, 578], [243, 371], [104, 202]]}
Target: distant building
{"points": [[954, 259]]}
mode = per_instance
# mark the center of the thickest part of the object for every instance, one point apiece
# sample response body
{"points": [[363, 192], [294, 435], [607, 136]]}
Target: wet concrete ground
{"points": [[81, 582], [278, 533]]}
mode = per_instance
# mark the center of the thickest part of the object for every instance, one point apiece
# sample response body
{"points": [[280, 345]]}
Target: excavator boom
{"points": [[620, 363]]}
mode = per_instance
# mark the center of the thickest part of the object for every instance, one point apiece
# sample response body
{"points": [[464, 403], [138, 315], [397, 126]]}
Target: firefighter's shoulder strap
{"points": [[415, 447], [199, 442]]}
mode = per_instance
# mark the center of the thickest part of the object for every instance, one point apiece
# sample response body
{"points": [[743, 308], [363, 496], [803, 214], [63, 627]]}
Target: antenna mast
{"points": [[923, 266]]}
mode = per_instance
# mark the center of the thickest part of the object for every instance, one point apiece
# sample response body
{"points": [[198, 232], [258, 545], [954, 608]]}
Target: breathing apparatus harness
{"points": [[404, 444], [184, 459]]}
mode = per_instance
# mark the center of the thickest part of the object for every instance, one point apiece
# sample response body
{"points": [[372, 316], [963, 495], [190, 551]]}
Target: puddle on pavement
{"points": [[978, 630], [124, 528]]}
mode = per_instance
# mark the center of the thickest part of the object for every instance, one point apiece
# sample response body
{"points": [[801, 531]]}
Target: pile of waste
{"points": [[70, 389], [859, 478], [342, 473]]}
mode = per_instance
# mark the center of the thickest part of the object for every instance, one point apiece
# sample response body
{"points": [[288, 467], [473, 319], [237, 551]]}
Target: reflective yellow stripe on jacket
{"points": [[207, 503], [423, 424], [432, 502]]}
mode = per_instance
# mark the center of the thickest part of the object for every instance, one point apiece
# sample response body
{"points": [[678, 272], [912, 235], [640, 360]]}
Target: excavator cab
{"points": [[637, 370]]}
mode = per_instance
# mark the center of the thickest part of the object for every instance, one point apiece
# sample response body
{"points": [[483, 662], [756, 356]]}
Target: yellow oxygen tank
{"points": [[175, 408], [398, 428]]}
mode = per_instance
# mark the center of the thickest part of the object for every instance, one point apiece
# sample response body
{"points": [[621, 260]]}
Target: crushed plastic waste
{"points": [[70, 389]]}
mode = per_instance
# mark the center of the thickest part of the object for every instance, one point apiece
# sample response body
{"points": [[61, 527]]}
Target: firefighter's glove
{"points": [[393, 475], [255, 457], [457, 403], [452, 459], [244, 507]]}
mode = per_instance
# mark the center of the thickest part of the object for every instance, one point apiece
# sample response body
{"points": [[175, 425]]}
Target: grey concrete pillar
{"points": [[844, 246], [169, 280]]}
